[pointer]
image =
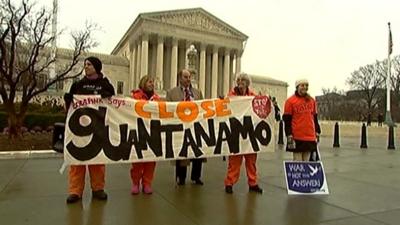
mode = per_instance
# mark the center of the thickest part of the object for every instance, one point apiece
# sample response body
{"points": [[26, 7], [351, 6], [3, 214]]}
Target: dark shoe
{"points": [[228, 189], [181, 182], [100, 195], [255, 189], [198, 182], [72, 198]]}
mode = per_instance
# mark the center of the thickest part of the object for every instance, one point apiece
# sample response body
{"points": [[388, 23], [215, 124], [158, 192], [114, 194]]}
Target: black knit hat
{"points": [[96, 63]]}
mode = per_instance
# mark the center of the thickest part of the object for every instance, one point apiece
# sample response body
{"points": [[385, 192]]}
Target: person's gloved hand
{"points": [[317, 136], [277, 112], [291, 144], [68, 97], [277, 115]]}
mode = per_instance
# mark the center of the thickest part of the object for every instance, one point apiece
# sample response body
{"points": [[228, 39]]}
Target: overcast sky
{"points": [[321, 40]]}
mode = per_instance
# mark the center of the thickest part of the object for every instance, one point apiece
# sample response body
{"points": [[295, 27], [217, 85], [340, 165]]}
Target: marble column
{"points": [[145, 56], [232, 73], [220, 83], [238, 61], [181, 57], [174, 62], [214, 68], [227, 61], [208, 73], [167, 66], [138, 63], [153, 62], [202, 69], [132, 71], [160, 62]]}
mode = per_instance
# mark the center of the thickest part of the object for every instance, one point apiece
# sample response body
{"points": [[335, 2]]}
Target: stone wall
{"points": [[272, 87]]}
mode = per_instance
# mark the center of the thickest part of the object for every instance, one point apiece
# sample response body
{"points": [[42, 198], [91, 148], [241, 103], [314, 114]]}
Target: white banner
{"points": [[120, 130]]}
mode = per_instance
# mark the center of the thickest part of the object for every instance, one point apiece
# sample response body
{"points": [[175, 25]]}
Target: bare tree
{"points": [[368, 79], [25, 56]]}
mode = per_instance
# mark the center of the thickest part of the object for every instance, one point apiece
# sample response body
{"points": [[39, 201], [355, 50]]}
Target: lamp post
{"points": [[192, 57], [388, 117]]}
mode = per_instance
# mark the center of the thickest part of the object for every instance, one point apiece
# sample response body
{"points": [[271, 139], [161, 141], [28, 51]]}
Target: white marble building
{"points": [[157, 44]]}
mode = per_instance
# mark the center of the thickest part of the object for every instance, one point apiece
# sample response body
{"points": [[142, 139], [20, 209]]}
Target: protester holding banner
{"points": [[276, 108], [235, 161], [301, 123], [186, 92], [143, 171], [94, 83]]}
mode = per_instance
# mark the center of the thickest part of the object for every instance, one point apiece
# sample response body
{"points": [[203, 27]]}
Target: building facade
{"points": [[158, 44]]}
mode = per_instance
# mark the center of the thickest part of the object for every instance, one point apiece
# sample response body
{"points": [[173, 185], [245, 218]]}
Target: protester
{"points": [[186, 92], [242, 88], [94, 83], [301, 123], [276, 108], [143, 172]]}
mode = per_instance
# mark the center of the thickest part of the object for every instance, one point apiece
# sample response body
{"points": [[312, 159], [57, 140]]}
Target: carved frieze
{"points": [[197, 20]]}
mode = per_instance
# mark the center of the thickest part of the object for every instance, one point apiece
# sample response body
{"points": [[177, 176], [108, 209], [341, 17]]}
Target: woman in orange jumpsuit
{"points": [[235, 161], [143, 172]]}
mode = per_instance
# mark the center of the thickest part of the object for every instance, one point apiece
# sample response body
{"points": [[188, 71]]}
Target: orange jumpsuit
{"points": [[143, 171], [235, 161], [76, 178]]}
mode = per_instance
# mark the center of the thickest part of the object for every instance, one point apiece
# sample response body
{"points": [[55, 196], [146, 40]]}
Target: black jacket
{"points": [[100, 86]]}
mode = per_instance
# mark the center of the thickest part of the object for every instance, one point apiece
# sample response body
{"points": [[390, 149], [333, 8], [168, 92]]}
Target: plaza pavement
{"points": [[364, 189]]}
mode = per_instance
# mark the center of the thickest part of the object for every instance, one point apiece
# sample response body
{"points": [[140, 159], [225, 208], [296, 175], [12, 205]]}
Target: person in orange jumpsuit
{"points": [[301, 122], [94, 83], [235, 161], [143, 172]]}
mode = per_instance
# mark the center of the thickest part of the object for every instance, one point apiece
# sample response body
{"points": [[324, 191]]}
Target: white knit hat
{"points": [[301, 81]]}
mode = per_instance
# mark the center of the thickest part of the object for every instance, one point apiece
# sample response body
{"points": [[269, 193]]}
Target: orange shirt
{"points": [[233, 92], [140, 94], [302, 112]]}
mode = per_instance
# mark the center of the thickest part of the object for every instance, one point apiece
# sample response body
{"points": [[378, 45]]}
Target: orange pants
{"points": [[235, 161], [143, 171], [77, 178]]}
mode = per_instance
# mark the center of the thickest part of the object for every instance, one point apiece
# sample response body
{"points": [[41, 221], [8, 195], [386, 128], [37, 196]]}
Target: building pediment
{"points": [[196, 18]]}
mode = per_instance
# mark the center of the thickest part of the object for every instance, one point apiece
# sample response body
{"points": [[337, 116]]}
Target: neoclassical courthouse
{"points": [[158, 43]]}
